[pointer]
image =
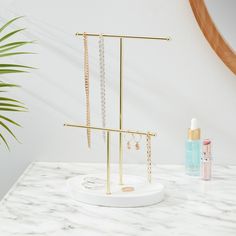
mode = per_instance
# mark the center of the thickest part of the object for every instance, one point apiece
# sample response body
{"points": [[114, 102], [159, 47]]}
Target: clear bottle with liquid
{"points": [[193, 150]]}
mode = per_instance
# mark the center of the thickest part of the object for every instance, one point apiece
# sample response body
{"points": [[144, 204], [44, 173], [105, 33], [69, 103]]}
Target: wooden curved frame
{"points": [[217, 42]]}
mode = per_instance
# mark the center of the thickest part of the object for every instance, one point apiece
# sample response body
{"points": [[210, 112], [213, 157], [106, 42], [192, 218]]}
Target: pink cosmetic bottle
{"points": [[206, 160]]}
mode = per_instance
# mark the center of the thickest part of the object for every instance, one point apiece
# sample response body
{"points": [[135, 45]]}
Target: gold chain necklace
{"points": [[86, 80], [102, 83], [149, 158]]}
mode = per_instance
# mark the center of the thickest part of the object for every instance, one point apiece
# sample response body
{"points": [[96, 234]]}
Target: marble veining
{"points": [[39, 204]]}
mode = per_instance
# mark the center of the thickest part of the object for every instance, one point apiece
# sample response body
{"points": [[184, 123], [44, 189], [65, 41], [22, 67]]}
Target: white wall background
{"points": [[166, 83]]}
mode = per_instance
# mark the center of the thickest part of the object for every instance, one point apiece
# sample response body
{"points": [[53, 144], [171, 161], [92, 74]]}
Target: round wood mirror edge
{"points": [[217, 42]]}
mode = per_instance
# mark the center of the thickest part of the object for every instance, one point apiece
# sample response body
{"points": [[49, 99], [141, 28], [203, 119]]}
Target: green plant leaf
{"points": [[8, 129], [10, 34], [14, 53], [10, 105], [10, 71], [10, 100], [20, 43], [9, 120], [4, 140], [9, 48], [16, 65], [8, 85], [11, 109], [9, 22]]}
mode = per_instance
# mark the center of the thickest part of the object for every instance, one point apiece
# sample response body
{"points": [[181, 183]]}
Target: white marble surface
{"points": [[38, 204]]}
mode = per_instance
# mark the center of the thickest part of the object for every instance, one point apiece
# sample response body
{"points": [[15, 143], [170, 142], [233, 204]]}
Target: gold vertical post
{"points": [[108, 164], [121, 114]]}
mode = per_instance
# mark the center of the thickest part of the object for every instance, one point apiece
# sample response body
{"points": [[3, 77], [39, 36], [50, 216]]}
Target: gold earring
{"points": [[128, 144], [137, 143], [127, 189]]}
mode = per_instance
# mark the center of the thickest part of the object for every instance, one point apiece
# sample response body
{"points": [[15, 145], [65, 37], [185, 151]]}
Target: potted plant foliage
{"points": [[9, 48]]}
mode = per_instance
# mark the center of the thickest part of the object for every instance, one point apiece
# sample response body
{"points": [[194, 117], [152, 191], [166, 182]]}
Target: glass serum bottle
{"points": [[193, 149]]}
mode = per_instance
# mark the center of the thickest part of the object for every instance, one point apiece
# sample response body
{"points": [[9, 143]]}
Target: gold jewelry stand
{"points": [[120, 130], [108, 130]]}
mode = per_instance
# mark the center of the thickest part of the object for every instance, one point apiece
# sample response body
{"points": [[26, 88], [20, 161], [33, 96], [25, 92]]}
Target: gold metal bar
{"points": [[108, 164], [125, 36], [112, 130], [121, 115]]}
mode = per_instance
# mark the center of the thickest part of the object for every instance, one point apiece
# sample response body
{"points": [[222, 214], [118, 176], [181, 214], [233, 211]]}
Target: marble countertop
{"points": [[39, 204]]}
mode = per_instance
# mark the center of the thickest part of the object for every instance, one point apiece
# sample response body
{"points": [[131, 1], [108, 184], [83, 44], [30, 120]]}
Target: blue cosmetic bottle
{"points": [[193, 150]]}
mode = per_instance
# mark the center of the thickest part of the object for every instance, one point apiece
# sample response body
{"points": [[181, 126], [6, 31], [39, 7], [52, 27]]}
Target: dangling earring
{"points": [[86, 80], [128, 144], [137, 142], [102, 83]]}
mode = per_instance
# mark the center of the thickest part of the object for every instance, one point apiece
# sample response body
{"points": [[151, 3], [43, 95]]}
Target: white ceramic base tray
{"points": [[144, 194]]}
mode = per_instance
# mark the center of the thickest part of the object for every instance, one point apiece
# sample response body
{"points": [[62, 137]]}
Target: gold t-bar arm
{"points": [[124, 36], [112, 130]]}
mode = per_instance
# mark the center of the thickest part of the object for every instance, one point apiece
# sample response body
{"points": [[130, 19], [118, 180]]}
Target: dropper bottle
{"points": [[193, 149]]}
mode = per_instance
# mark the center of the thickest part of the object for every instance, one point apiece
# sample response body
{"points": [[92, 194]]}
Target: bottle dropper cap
{"points": [[194, 132]]}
